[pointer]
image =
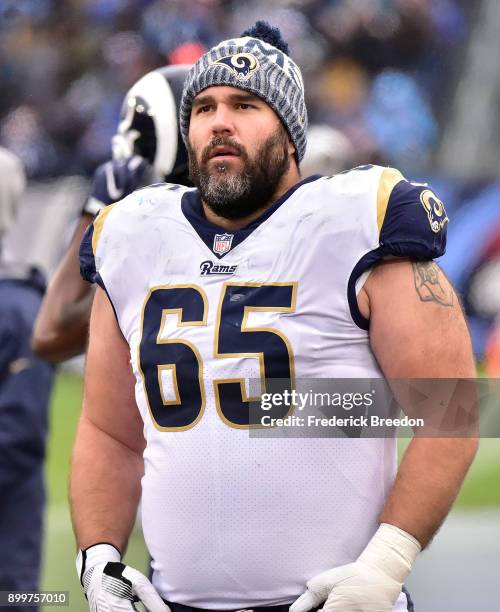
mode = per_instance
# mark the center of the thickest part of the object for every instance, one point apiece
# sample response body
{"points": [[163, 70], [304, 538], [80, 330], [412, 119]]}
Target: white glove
{"points": [[111, 586], [372, 583]]}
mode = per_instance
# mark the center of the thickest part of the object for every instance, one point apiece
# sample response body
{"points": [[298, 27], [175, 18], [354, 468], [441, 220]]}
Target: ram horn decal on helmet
{"points": [[149, 123]]}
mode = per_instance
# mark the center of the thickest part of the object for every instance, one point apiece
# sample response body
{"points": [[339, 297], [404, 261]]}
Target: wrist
{"points": [[392, 551], [92, 206], [103, 552]]}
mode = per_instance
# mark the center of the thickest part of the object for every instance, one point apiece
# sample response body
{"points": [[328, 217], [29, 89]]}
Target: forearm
{"points": [[73, 306], [62, 334], [104, 488], [61, 328], [428, 481]]}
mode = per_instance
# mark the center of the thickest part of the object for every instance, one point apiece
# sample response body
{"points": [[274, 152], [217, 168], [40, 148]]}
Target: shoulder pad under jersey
{"points": [[132, 208]]}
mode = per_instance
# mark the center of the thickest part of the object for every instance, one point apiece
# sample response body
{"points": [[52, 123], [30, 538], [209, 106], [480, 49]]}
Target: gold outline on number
{"points": [[260, 355], [159, 340], [172, 368]]}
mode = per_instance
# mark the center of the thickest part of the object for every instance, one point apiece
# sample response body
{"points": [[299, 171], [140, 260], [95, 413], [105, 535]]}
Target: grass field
{"points": [[59, 572], [481, 491]]}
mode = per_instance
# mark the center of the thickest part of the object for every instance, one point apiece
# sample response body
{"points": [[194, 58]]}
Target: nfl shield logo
{"points": [[222, 243]]}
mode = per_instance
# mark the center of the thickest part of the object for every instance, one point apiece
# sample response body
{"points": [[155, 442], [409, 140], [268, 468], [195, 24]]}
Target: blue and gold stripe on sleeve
{"points": [[414, 223], [389, 179]]}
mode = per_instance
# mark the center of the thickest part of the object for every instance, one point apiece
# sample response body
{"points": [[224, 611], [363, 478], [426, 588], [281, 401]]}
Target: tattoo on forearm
{"points": [[429, 283]]}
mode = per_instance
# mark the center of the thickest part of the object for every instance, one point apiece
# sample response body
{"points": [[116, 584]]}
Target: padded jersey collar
{"points": [[193, 211]]}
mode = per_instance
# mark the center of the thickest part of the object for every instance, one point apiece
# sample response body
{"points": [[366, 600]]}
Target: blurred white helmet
{"points": [[328, 151], [149, 123]]}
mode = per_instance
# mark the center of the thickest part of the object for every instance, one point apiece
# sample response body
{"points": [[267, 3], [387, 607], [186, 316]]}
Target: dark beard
{"points": [[236, 194]]}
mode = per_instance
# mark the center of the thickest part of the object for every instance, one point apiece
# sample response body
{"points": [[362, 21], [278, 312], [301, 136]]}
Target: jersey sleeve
{"points": [[411, 222], [413, 219], [88, 247]]}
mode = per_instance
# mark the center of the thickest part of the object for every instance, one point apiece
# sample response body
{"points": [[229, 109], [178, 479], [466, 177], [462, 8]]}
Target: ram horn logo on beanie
{"points": [[258, 62], [243, 64]]}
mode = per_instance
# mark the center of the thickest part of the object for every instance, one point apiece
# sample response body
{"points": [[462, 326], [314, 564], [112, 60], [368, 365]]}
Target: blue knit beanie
{"points": [[257, 62]]}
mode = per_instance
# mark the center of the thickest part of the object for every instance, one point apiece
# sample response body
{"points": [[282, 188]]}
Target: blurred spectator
{"points": [[12, 11], [166, 24], [400, 120], [23, 133], [187, 53]]}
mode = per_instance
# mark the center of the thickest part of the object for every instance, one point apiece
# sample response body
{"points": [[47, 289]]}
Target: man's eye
{"points": [[204, 109], [244, 105]]}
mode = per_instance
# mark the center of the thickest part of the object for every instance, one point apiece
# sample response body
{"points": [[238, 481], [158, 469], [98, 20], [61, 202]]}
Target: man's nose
{"points": [[222, 120]]}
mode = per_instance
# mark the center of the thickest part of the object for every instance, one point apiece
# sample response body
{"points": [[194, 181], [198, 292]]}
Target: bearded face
{"points": [[233, 183]]}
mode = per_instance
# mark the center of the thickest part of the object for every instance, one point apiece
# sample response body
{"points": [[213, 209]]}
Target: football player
{"points": [[147, 148], [257, 273], [25, 383]]}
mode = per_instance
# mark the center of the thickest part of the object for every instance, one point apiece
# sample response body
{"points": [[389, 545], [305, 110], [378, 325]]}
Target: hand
{"points": [[113, 181], [352, 587], [370, 584], [111, 586]]}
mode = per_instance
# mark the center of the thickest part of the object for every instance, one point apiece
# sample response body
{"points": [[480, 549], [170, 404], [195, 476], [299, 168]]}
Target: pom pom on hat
{"points": [[269, 34]]}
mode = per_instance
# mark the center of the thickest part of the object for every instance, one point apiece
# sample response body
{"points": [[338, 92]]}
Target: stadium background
{"points": [[408, 83]]}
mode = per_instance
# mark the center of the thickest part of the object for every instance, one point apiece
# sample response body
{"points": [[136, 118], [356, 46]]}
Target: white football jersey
{"points": [[234, 521]]}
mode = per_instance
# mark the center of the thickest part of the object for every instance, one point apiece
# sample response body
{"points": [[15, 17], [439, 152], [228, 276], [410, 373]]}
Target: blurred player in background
{"points": [[328, 151], [25, 383], [147, 148], [259, 273]]}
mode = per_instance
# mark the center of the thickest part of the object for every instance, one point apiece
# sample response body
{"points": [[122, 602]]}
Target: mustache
{"points": [[221, 141]]}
